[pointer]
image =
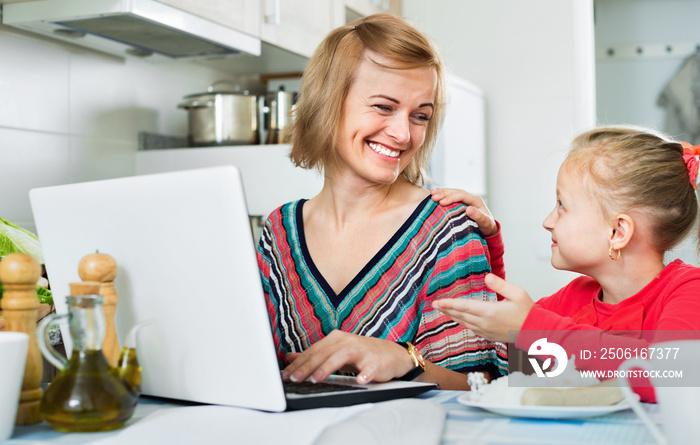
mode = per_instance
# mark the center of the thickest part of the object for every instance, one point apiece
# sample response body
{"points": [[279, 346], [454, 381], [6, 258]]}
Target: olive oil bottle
{"points": [[88, 394]]}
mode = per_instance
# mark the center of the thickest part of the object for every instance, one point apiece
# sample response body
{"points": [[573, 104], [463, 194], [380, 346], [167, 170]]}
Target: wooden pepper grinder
{"points": [[19, 274], [102, 268]]}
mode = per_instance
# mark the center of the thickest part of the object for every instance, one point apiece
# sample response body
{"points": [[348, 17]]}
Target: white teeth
{"points": [[383, 150]]}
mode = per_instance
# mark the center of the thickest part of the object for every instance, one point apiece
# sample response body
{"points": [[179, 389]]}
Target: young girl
{"points": [[625, 196]]}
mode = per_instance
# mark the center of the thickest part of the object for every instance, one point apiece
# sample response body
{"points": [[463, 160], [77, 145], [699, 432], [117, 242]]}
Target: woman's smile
{"points": [[384, 151]]}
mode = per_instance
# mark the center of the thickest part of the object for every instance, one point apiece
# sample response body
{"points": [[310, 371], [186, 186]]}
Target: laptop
{"points": [[187, 271]]}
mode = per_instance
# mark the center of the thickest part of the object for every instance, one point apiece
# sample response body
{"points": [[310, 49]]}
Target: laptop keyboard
{"points": [[317, 388]]}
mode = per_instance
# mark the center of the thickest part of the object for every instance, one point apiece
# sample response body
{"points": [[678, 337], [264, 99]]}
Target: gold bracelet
{"points": [[416, 358]]}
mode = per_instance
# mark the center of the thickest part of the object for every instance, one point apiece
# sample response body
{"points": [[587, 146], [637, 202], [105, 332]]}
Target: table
{"points": [[466, 425], [463, 425]]}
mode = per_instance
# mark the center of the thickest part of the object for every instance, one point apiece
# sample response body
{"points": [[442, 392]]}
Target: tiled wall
{"points": [[68, 114]]}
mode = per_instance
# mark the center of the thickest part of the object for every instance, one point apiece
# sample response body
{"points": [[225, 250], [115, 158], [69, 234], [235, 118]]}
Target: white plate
{"points": [[545, 412]]}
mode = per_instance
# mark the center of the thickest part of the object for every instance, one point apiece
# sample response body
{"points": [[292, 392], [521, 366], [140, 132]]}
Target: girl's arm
{"points": [[479, 212], [595, 349]]}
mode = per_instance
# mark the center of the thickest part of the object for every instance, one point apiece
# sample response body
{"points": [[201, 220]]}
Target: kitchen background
{"points": [[543, 69]]}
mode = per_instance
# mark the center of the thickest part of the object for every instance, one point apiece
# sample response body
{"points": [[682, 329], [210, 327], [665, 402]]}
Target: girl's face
{"points": [[384, 120], [580, 232]]}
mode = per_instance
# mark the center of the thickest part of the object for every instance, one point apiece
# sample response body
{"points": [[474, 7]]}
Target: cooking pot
{"points": [[279, 109], [222, 117]]}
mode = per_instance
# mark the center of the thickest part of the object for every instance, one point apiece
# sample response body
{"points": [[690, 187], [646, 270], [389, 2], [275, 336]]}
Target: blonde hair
{"points": [[630, 168], [330, 73]]}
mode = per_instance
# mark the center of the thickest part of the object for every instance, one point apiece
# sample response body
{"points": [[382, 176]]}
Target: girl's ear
{"points": [[622, 231]]}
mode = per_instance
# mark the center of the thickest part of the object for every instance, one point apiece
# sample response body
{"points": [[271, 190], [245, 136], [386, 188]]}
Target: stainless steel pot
{"points": [[279, 107], [222, 117]]}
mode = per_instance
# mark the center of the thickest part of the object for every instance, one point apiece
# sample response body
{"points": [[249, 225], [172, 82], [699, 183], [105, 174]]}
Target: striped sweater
{"points": [[437, 253]]}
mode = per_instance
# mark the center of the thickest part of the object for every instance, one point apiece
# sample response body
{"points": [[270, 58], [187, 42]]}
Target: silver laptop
{"points": [[187, 269]]}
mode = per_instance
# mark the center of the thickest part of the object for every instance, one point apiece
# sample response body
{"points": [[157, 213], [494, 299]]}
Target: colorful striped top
{"points": [[437, 253]]}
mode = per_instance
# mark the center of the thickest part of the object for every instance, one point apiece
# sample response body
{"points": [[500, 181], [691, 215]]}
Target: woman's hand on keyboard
{"points": [[373, 359]]}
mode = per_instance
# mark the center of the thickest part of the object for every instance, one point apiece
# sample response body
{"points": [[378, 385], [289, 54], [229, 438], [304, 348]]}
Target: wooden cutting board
{"points": [[44, 310]]}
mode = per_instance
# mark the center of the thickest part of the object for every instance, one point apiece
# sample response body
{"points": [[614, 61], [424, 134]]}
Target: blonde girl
{"points": [[625, 196]]}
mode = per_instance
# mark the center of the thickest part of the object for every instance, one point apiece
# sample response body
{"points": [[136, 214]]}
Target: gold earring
{"points": [[610, 253]]}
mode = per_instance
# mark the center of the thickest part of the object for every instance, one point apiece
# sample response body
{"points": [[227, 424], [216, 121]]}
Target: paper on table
{"points": [[387, 423], [213, 424]]}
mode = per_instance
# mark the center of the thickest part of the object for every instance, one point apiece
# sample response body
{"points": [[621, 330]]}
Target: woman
{"points": [[350, 274]]}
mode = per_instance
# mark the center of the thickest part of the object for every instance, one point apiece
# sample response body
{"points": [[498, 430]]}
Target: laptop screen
{"points": [[186, 269]]}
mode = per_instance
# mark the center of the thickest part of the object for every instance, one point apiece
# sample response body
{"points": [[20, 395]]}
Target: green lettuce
{"points": [[14, 239], [44, 295]]}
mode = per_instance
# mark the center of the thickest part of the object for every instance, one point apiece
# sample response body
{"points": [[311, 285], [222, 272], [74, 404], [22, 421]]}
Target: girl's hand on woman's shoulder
{"points": [[476, 208]]}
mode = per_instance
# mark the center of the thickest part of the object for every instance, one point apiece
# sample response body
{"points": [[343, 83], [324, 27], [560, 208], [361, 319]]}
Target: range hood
{"points": [[136, 27]]}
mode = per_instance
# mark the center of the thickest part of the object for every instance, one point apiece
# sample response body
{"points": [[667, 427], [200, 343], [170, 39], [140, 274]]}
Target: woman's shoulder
{"points": [[448, 216], [283, 219], [454, 210], [286, 210]]}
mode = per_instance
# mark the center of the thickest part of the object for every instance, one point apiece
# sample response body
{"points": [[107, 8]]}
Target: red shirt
{"points": [[671, 301]]}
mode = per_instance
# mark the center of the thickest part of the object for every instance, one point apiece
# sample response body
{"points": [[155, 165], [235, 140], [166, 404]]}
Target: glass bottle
{"points": [[88, 394]]}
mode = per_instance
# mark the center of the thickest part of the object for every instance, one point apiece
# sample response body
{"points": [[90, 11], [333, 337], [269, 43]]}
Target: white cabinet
{"points": [[459, 159], [300, 25], [367, 7], [296, 25], [241, 15], [345, 11]]}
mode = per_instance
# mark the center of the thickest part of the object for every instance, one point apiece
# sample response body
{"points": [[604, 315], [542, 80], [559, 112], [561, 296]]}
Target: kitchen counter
{"points": [[269, 177]]}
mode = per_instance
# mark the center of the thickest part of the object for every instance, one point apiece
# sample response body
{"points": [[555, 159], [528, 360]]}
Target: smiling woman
{"points": [[386, 114], [350, 274], [331, 72]]}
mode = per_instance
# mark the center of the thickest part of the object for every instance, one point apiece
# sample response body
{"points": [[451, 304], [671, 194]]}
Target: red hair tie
{"points": [[691, 156]]}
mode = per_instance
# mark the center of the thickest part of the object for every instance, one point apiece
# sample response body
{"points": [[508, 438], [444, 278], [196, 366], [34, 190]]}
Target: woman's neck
{"points": [[347, 200]]}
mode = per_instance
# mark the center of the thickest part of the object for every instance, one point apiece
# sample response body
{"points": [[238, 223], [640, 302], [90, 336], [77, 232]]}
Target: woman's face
{"points": [[580, 232], [384, 119]]}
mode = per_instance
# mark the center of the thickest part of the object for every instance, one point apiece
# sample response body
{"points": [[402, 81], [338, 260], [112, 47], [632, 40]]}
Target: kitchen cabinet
{"points": [[459, 157], [346, 11], [296, 25], [300, 25], [290, 30], [241, 15]]}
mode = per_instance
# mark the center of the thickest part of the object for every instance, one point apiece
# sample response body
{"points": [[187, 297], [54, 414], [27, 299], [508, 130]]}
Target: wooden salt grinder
{"points": [[102, 268], [19, 274]]}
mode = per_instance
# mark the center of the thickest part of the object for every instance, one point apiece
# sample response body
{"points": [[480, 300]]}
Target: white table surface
{"points": [[467, 425], [464, 425]]}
